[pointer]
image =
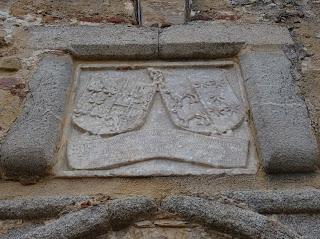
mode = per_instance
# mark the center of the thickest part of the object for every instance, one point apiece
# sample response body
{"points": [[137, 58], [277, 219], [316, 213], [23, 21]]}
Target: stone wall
{"points": [[16, 63], [42, 32]]}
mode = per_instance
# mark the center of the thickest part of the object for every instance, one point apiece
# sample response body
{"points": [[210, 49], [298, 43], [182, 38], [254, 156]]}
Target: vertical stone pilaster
{"points": [[29, 148], [283, 131]]}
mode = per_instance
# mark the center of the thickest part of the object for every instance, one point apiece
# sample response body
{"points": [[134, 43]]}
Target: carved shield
{"points": [[196, 101], [113, 106], [201, 103]]}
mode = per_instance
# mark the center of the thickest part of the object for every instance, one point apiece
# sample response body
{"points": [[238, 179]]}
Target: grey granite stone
{"points": [[107, 42], [155, 12], [285, 138], [227, 218], [305, 224], [196, 39], [35, 208], [29, 148], [216, 39], [279, 201], [93, 221]]}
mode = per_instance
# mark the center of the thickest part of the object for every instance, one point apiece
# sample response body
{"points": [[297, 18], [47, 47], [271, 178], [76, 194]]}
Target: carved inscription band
{"points": [[137, 146]]}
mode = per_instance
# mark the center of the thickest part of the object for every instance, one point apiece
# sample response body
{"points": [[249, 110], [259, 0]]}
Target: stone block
{"points": [[304, 224], [157, 118], [39, 207], [30, 146], [298, 201], [158, 12], [93, 221], [99, 11], [2, 38], [216, 39], [285, 138], [10, 64], [107, 42], [227, 217]]}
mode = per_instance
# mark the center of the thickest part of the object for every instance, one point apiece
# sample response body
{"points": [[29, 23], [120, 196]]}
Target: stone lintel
{"points": [[217, 39], [107, 42], [29, 148], [193, 40], [284, 135]]}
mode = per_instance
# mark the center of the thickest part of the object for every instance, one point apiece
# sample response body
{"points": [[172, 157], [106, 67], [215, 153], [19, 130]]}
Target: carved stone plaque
{"points": [[156, 118]]}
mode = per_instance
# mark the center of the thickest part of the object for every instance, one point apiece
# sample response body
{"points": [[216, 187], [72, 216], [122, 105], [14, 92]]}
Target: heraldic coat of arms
{"points": [[118, 120], [110, 107]]}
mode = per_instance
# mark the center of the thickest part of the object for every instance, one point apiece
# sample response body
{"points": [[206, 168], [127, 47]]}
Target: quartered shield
{"points": [[196, 101], [199, 101], [113, 106]]}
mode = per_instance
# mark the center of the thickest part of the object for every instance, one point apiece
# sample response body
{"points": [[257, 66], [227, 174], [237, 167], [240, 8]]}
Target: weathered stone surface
{"points": [[229, 212], [99, 11], [11, 106], [93, 221], [169, 232], [35, 208], [211, 39], [272, 202], [2, 38], [305, 224], [107, 42], [10, 64], [227, 217], [283, 129], [29, 148], [156, 12], [165, 228], [188, 119]]}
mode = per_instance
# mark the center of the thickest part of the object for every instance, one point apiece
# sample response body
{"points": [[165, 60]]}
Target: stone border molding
{"points": [[227, 218], [235, 212], [36, 208], [92, 221], [281, 122], [280, 201], [193, 40]]}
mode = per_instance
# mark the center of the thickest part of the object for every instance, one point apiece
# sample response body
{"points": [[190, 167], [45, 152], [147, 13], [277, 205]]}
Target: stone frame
{"points": [[285, 142], [64, 169]]}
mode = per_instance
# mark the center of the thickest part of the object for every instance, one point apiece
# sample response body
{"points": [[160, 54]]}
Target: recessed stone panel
{"points": [[157, 118]]}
